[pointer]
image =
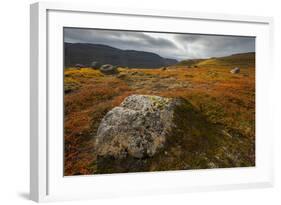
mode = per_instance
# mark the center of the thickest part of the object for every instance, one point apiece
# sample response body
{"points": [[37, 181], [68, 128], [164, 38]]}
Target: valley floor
{"points": [[223, 136]]}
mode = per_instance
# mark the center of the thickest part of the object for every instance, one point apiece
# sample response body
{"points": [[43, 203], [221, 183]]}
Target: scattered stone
{"points": [[95, 65], [164, 68], [79, 65], [235, 70], [108, 69]]}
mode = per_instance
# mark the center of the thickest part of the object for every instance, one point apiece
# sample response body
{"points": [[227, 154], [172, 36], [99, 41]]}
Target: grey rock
{"points": [[108, 69], [235, 70], [138, 127], [95, 65], [79, 65]]}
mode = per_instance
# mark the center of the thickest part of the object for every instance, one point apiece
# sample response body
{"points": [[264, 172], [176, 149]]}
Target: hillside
{"points": [[242, 60], [82, 53]]}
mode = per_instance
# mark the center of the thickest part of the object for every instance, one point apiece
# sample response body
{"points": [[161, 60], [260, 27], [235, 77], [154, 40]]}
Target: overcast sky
{"points": [[176, 46]]}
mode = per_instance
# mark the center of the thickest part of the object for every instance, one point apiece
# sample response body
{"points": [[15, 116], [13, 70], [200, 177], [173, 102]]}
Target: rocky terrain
{"points": [[179, 117]]}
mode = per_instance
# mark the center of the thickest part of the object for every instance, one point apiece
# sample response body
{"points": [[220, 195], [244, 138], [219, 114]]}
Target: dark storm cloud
{"points": [[178, 46], [119, 39]]}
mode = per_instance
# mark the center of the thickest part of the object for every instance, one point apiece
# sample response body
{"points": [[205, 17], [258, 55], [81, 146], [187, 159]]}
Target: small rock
{"points": [[235, 70], [79, 65], [108, 69], [95, 65]]}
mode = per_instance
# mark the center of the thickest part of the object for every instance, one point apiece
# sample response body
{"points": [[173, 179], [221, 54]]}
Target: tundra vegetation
{"points": [[215, 124]]}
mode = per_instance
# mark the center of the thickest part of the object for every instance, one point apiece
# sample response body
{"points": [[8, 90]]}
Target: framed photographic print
{"points": [[127, 102]]}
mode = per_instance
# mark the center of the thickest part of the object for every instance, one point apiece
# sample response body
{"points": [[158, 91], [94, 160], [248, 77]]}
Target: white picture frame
{"points": [[47, 182]]}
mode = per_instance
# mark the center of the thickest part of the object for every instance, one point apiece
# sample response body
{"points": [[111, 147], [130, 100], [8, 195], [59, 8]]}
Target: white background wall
{"points": [[14, 101]]}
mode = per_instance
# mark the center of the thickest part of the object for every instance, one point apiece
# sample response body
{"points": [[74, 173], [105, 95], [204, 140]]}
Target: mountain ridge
{"points": [[85, 53]]}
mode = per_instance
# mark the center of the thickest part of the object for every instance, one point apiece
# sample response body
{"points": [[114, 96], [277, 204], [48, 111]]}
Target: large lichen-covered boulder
{"points": [[108, 69], [138, 127]]}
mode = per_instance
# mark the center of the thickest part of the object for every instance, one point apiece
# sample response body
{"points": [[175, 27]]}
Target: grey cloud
{"points": [[178, 46], [203, 46], [120, 39]]}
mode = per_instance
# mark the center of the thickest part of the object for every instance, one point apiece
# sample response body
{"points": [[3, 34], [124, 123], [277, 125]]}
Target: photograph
{"points": [[147, 101]]}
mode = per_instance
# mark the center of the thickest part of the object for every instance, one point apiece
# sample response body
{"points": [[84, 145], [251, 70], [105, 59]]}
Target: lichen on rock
{"points": [[138, 127]]}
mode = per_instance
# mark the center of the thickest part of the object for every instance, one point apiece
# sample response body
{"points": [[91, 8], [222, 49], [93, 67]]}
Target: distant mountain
{"points": [[242, 60], [170, 61], [82, 53]]}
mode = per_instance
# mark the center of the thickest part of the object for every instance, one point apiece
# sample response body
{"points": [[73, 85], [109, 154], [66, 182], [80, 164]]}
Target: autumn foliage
{"points": [[223, 98]]}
